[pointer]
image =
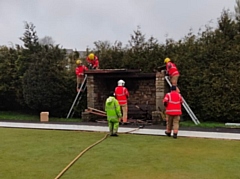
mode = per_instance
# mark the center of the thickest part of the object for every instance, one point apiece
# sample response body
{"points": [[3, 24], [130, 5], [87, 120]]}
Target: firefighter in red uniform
{"points": [[122, 96], [80, 69], [172, 71], [173, 103], [93, 62]]}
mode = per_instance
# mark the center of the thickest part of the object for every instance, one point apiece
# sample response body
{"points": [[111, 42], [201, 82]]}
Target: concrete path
{"points": [[144, 131]]}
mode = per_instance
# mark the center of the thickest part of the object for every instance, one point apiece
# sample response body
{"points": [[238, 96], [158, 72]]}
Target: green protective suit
{"points": [[113, 111]]}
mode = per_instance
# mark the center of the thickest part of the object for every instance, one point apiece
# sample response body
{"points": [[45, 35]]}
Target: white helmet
{"points": [[121, 83]]}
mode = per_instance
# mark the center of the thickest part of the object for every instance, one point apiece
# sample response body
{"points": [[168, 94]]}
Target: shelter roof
{"points": [[99, 71], [117, 72]]}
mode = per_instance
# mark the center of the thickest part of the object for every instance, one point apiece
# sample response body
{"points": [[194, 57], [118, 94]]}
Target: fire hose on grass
{"points": [[84, 151], [72, 162]]}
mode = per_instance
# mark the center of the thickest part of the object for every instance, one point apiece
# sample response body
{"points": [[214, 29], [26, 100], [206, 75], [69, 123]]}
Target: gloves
{"points": [[90, 66], [165, 104]]}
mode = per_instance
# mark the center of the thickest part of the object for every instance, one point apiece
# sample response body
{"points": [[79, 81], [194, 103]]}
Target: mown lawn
{"points": [[23, 116], [43, 154]]}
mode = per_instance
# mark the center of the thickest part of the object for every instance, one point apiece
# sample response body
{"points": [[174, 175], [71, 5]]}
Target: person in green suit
{"points": [[114, 114]]}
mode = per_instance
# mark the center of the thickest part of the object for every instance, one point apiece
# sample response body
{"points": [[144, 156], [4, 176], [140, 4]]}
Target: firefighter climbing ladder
{"points": [[185, 105], [78, 97]]}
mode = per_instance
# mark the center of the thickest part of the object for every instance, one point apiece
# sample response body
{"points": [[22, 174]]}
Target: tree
{"points": [[46, 83], [237, 9], [8, 77], [30, 38], [47, 40], [110, 56], [209, 69]]}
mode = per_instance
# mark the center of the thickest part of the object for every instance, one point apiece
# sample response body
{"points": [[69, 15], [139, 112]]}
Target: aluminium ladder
{"points": [[78, 97], [185, 105]]}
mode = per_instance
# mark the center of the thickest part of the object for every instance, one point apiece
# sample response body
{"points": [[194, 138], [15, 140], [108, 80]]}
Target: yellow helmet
{"points": [[167, 60], [91, 56], [78, 62]]}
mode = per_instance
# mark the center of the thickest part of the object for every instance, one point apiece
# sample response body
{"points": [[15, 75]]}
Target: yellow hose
{"points": [[79, 155], [132, 130]]}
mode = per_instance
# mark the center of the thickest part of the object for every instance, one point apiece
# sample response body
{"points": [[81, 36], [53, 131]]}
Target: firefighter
{"points": [[113, 112], [122, 96], [80, 69], [172, 72], [173, 104], [93, 62]]}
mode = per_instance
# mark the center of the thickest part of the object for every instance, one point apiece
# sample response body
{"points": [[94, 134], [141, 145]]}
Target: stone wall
{"points": [[144, 91], [90, 91], [98, 89], [160, 90]]}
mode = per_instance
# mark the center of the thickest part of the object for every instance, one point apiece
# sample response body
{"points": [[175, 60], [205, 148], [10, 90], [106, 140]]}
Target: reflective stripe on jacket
{"points": [[174, 103], [121, 94], [172, 69], [113, 109]]}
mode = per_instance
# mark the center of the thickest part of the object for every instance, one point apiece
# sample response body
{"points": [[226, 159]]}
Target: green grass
{"points": [[136, 156], [39, 154], [202, 124], [27, 153], [18, 116]]}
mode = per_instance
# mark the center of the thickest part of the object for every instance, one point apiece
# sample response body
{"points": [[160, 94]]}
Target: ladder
{"points": [[78, 97], [185, 105]]}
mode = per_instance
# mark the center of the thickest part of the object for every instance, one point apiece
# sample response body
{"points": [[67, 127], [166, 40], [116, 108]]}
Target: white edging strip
{"points": [[161, 132]]}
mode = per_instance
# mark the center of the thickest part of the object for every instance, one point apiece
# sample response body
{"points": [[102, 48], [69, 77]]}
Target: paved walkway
{"points": [[182, 133]]}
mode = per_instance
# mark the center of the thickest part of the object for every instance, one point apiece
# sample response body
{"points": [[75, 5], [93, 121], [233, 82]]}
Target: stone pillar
{"points": [[156, 117], [160, 90], [90, 91], [86, 116]]}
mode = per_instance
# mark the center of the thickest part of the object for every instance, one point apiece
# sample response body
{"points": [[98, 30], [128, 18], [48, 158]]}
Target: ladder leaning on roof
{"points": [[78, 97], [185, 105]]}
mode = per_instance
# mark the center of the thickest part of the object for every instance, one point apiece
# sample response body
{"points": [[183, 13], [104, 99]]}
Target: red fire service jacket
{"points": [[172, 69], [174, 103], [94, 63], [121, 94], [80, 70]]}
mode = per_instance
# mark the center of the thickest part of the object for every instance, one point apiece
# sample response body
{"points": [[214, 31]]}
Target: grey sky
{"points": [[76, 24]]}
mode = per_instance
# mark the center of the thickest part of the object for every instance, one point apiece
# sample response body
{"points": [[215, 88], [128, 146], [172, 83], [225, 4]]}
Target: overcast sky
{"points": [[76, 24]]}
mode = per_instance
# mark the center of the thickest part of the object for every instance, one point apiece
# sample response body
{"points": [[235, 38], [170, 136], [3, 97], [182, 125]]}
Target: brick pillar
{"points": [[160, 90]]}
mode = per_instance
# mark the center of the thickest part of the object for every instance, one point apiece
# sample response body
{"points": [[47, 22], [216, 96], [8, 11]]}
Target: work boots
{"points": [[168, 134]]}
